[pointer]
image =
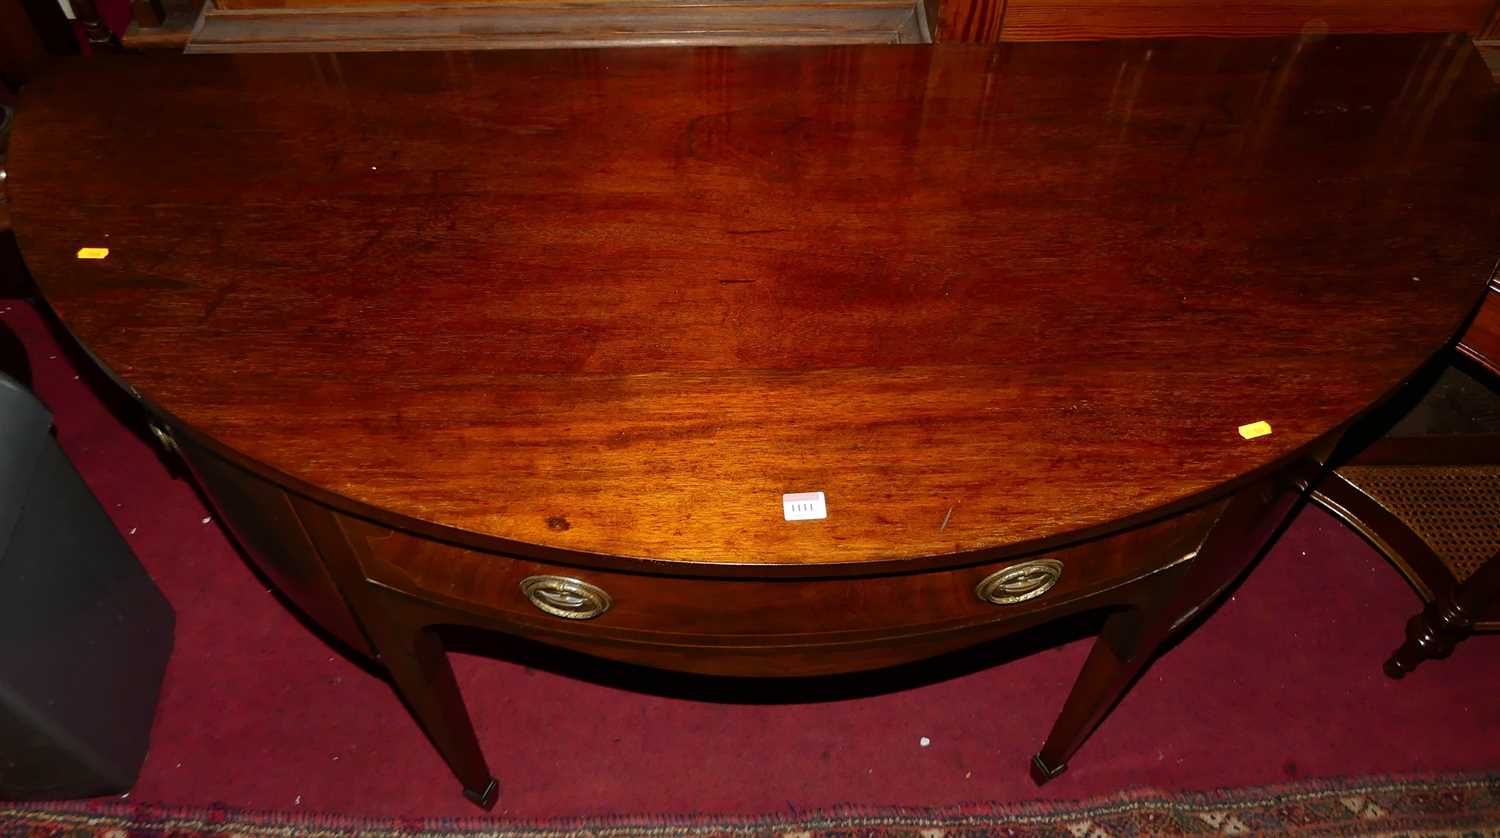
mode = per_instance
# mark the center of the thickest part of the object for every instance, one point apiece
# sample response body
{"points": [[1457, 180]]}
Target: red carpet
{"points": [[1281, 683]]}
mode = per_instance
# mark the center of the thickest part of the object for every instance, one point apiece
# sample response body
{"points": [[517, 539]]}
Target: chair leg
{"points": [[1432, 633], [1132, 637]]}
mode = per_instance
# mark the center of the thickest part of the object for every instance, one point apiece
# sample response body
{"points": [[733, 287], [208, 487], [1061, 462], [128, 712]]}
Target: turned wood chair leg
{"points": [[1435, 630], [419, 669], [1132, 636], [94, 28]]}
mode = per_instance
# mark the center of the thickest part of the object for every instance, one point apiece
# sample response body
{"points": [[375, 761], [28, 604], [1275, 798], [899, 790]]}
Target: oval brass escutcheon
{"points": [[563, 596], [1020, 582]]}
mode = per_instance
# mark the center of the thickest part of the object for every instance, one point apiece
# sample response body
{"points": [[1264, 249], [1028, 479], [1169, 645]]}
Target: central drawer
{"points": [[562, 599]]}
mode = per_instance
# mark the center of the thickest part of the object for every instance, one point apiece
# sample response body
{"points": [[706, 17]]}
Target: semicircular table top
{"points": [[621, 301]]}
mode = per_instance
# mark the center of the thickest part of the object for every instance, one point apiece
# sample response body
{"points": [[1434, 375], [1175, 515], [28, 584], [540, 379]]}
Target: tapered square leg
{"points": [[419, 670], [1133, 635], [1042, 773], [401, 634], [484, 798]]}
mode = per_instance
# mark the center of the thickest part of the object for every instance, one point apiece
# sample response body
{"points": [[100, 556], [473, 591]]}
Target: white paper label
{"points": [[804, 506]]}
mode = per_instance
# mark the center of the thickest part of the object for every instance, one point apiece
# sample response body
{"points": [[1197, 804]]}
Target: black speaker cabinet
{"points": [[84, 634]]}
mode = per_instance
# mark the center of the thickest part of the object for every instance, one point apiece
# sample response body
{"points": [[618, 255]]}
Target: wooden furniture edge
{"points": [[173, 34], [544, 25], [1480, 343], [1332, 447], [992, 21], [167, 429]]}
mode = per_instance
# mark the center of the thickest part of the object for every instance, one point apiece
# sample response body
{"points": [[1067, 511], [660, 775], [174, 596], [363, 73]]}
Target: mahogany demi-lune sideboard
{"points": [[762, 361]]}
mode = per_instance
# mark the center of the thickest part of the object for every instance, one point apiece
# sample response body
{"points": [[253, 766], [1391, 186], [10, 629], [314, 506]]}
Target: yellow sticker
{"points": [[92, 252], [1255, 429]]}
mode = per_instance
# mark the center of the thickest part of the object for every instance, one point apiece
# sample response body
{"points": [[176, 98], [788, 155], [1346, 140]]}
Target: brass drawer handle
{"points": [[1020, 582], [561, 596], [164, 437]]}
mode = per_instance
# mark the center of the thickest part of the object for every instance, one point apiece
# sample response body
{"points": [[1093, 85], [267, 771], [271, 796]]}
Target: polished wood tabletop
{"points": [[617, 302]]}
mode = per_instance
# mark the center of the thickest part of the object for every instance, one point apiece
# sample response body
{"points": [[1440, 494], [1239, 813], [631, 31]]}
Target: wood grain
{"points": [[616, 302], [988, 21], [970, 21], [315, 26]]}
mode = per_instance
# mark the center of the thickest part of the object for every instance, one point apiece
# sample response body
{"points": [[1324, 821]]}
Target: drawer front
{"points": [[565, 600]]}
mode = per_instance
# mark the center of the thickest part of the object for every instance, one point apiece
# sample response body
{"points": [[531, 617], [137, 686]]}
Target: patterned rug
{"points": [[1433, 806]]}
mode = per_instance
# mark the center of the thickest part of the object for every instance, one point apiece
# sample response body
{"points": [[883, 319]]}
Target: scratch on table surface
{"points": [[368, 245], [944, 525], [218, 299]]}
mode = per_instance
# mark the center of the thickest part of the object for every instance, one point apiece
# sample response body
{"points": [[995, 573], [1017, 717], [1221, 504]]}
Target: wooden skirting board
{"points": [[547, 23]]}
